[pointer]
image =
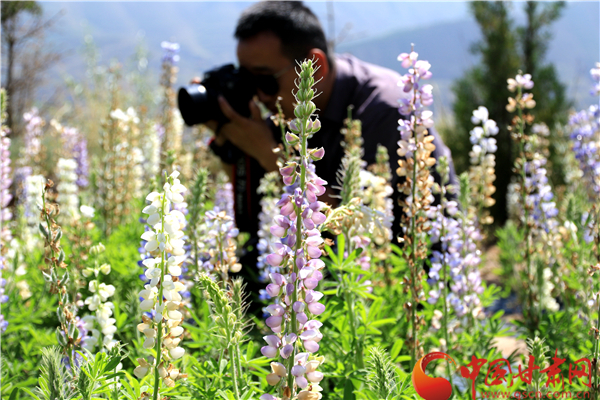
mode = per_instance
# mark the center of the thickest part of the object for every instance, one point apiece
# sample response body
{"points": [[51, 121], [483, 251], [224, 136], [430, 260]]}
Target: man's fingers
{"points": [[255, 110], [196, 80], [212, 125], [228, 111]]}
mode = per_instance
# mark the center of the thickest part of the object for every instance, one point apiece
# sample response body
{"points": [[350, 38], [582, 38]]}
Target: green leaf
{"points": [[341, 243], [250, 350], [352, 256], [349, 390], [383, 322], [247, 395], [14, 394], [396, 349], [222, 366], [331, 254]]}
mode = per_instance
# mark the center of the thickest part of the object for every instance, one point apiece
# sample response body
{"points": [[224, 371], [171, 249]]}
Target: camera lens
{"points": [[198, 102], [192, 101]]}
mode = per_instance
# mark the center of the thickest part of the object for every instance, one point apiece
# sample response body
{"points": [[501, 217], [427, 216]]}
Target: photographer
{"points": [[272, 36]]}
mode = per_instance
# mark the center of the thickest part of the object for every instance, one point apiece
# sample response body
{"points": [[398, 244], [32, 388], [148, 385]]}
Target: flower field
{"points": [[121, 260]]}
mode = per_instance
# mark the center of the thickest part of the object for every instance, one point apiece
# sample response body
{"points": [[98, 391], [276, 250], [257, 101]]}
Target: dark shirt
{"points": [[373, 92]]}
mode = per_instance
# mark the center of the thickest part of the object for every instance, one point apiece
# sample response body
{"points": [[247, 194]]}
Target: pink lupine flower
{"points": [[298, 253]]}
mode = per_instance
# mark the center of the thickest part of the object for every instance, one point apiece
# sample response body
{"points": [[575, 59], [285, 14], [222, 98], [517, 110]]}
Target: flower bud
{"points": [[317, 154], [105, 269], [43, 230], [278, 369], [295, 129], [291, 138], [176, 353], [273, 379]]}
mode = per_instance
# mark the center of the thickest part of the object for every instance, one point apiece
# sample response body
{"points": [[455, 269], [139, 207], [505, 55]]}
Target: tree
{"points": [[504, 50], [25, 56]]}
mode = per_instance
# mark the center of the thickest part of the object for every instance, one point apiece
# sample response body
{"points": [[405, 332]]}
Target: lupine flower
{"points": [[221, 231], [67, 334], [67, 188], [122, 173], [483, 164], [415, 147], [381, 201], [171, 52], [33, 187], [585, 135], [361, 192], [522, 81], [5, 182], [224, 198], [535, 209], [101, 322], [298, 258], [151, 149], [376, 195], [161, 295], [75, 147], [460, 253], [591, 227], [184, 276], [455, 264], [196, 200], [270, 191], [33, 132], [171, 117], [80, 154]]}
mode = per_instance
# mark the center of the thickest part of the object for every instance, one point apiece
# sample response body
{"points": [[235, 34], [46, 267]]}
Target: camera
{"points": [[198, 102]]}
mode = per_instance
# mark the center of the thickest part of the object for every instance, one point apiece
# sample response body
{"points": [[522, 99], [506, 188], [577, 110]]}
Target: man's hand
{"points": [[251, 135]]}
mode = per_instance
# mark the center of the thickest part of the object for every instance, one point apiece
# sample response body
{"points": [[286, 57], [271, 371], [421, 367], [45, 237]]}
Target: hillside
{"points": [[377, 32]]}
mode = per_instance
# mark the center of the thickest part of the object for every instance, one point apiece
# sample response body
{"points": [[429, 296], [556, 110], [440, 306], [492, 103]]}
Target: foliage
{"points": [[504, 50], [164, 319]]}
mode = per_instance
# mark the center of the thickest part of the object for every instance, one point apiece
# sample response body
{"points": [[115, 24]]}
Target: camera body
{"points": [[198, 102]]}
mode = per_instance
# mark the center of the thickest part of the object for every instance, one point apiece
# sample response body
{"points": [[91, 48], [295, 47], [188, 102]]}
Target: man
{"points": [[272, 37]]}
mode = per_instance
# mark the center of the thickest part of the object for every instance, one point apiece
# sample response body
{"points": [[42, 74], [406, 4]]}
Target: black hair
{"points": [[291, 21]]}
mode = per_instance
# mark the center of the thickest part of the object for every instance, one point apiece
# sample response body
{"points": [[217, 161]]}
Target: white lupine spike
{"points": [[164, 237]]}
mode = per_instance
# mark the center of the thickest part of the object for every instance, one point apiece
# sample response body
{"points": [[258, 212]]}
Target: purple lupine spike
{"points": [[297, 255], [171, 52]]}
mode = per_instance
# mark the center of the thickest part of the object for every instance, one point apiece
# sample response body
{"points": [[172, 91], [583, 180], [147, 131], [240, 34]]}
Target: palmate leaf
{"points": [[54, 378]]}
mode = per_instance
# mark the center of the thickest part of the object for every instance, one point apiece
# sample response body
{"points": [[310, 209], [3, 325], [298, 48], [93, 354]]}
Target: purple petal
{"points": [[310, 283], [287, 350], [316, 308], [311, 346], [269, 352]]}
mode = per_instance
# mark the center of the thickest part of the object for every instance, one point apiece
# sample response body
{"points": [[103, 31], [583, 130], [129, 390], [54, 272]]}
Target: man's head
{"points": [[272, 36]]}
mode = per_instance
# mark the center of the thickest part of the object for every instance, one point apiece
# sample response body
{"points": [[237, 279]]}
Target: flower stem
{"points": [[444, 276], [355, 340], [521, 132], [233, 372], [239, 362], [160, 303]]}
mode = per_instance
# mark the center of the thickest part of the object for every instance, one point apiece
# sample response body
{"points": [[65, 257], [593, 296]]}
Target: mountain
{"points": [[374, 31], [205, 29], [574, 49]]}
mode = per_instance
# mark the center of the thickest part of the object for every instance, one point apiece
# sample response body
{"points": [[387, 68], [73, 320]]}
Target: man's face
{"points": [[261, 55]]}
